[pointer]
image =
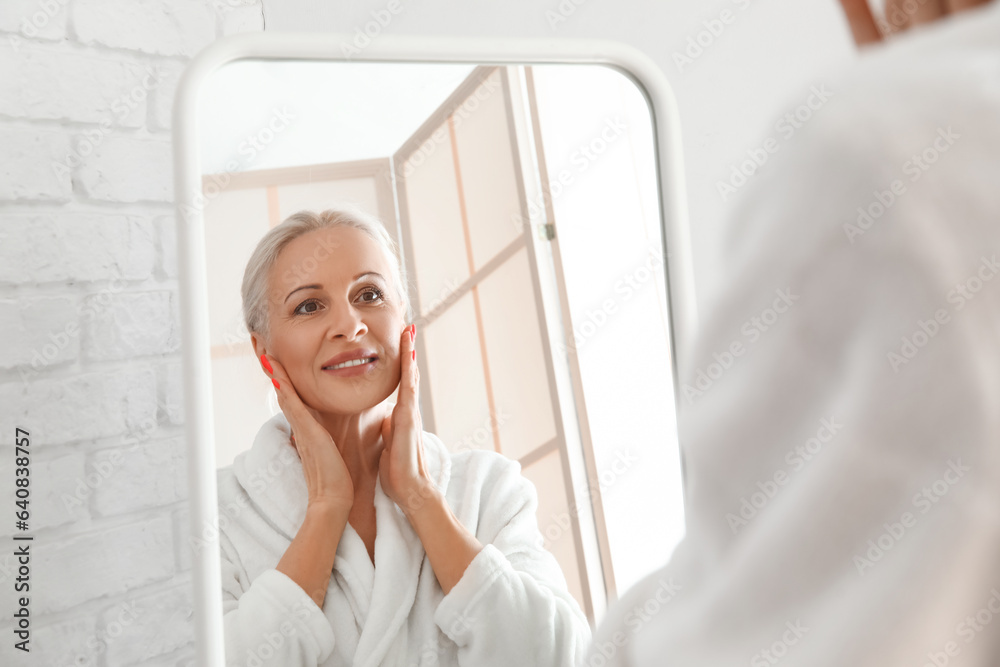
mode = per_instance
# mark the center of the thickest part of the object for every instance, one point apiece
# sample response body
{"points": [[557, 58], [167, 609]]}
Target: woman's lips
{"points": [[350, 371]]}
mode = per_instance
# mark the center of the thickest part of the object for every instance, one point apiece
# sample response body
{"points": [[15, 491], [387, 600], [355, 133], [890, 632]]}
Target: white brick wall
{"points": [[34, 19], [164, 27], [127, 169], [68, 83], [59, 247], [26, 172], [89, 322]]}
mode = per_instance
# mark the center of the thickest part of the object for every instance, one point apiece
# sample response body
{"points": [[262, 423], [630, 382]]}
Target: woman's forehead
{"points": [[336, 253]]}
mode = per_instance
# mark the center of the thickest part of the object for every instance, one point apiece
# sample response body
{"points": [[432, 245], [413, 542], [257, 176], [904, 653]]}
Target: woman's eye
{"points": [[376, 293], [306, 303]]}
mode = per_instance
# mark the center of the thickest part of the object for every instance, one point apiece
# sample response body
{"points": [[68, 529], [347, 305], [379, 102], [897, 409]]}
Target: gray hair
{"points": [[255, 288]]}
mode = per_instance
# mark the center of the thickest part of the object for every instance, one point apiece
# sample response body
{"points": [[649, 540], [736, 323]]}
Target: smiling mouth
{"points": [[348, 364]]}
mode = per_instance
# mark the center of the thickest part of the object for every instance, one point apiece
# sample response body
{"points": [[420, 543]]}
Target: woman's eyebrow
{"points": [[301, 288], [316, 286]]}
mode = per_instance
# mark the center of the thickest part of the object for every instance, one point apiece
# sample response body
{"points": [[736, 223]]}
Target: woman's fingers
{"points": [[409, 374], [288, 399], [402, 467], [387, 431], [904, 14], [861, 21]]}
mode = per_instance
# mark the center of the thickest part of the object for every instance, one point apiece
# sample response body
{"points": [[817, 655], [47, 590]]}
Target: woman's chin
{"points": [[352, 400]]}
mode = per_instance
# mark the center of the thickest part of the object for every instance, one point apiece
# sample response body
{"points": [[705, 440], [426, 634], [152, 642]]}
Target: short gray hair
{"points": [[255, 288]]}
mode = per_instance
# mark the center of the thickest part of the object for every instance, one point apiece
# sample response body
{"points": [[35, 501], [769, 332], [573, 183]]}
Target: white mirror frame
{"points": [[196, 361]]}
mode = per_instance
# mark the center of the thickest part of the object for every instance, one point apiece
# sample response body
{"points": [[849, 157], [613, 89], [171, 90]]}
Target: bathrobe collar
{"points": [[271, 474]]}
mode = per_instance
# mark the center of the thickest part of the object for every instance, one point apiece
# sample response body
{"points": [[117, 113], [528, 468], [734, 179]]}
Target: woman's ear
{"points": [[258, 345]]}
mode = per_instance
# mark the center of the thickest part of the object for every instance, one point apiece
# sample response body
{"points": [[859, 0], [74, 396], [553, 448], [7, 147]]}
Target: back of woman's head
{"points": [[256, 288]]}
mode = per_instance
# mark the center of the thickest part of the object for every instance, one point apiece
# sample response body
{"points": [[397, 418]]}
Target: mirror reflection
{"points": [[435, 497]]}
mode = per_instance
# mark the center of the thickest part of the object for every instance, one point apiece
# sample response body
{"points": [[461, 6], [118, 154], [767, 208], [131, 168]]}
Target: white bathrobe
{"points": [[511, 606], [842, 465]]}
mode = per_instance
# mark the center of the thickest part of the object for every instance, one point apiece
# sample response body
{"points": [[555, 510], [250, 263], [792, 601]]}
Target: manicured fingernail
{"points": [[266, 364], [275, 383], [414, 331], [414, 353]]}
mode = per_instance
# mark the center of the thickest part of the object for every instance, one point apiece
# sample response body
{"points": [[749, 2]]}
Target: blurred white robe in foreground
{"points": [[841, 411]]}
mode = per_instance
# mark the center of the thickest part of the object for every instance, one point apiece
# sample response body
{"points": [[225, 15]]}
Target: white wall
{"points": [[89, 323], [88, 274]]}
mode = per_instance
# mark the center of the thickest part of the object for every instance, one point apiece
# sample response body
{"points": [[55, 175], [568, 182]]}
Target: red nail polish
{"points": [[275, 383], [414, 352], [266, 364]]}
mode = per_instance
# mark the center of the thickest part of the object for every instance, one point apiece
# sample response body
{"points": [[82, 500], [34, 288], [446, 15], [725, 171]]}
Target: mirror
{"points": [[526, 202]]}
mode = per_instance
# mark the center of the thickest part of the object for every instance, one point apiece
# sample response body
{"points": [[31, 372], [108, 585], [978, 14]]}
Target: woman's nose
{"points": [[345, 320]]}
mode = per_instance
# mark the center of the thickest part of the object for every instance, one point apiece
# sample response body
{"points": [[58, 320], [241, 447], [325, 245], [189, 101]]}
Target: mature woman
{"points": [[353, 536]]}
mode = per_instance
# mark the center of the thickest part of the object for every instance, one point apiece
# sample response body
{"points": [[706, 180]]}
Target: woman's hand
{"points": [[449, 545], [401, 469], [900, 15], [327, 477]]}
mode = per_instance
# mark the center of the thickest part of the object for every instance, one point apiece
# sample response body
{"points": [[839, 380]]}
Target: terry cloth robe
{"points": [[842, 469], [511, 606]]}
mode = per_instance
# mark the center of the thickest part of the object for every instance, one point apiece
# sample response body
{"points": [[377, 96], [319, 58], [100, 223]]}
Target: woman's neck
{"points": [[359, 439]]}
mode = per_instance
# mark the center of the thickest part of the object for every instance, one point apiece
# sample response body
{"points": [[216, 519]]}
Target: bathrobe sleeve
{"points": [[272, 622], [512, 606]]}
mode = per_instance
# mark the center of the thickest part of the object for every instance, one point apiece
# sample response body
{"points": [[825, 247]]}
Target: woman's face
{"points": [[331, 292]]}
